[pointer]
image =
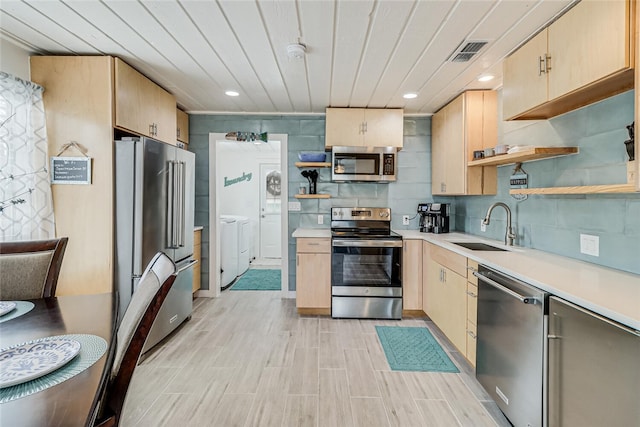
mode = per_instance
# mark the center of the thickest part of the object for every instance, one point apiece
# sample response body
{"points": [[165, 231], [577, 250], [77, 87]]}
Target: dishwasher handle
{"points": [[522, 298]]}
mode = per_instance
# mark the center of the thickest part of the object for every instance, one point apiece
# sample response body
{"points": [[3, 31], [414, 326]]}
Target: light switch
{"points": [[294, 206], [320, 219]]}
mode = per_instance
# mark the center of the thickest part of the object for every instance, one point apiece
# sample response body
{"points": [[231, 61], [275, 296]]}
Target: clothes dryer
{"points": [[245, 238], [228, 250]]}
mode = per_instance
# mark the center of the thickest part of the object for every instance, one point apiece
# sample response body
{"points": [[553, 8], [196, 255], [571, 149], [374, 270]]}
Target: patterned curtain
{"points": [[26, 207]]}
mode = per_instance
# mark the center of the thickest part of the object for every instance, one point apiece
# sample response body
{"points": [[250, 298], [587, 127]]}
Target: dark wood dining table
{"points": [[72, 402]]}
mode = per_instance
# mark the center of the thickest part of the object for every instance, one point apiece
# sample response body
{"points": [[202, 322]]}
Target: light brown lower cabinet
{"points": [[197, 255], [445, 285], [472, 311], [412, 275], [313, 274]]}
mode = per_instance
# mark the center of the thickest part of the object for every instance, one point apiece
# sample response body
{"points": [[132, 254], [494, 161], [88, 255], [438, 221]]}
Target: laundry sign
{"points": [[244, 177]]}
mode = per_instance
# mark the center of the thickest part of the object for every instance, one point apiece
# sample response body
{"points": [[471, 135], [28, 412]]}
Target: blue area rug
{"points": [[258, 280], [413, 349]]}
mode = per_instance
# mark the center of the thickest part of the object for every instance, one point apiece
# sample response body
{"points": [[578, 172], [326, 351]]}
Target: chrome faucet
{"points": [[510, 234]]}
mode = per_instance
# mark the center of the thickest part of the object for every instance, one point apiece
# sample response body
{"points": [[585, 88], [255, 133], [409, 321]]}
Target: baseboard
{"points": [[315, 311], [205, 293]]}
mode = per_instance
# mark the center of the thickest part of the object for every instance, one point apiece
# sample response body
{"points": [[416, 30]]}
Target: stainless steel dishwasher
{"points": [[594, 379], [511, 346]]}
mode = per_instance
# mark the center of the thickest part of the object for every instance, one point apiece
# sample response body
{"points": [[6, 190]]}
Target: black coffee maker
{"points": [[434, 217]]}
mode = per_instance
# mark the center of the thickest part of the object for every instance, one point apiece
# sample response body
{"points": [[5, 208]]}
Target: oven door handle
{"points": [[366, 243]]}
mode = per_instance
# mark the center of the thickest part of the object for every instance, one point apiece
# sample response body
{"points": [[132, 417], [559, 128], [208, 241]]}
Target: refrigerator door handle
{"points": [[170, 204], [181, 201], [176, 211]]}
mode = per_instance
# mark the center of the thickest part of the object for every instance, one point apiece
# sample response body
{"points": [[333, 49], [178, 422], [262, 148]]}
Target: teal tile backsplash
{"points": [[548, 223], [554, 223]]}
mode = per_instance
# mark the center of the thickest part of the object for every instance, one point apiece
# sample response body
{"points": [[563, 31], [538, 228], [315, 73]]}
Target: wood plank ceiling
{"points": [[360, 53]]}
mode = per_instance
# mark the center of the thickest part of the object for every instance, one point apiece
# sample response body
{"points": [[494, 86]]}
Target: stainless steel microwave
{"points": [[366, 164]]}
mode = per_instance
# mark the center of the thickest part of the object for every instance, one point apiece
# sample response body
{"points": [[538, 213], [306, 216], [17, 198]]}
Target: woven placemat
{"points": [[22, 307], [92, 349]]}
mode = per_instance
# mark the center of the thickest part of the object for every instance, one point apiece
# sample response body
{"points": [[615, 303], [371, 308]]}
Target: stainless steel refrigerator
{"points": [[154, 212]]}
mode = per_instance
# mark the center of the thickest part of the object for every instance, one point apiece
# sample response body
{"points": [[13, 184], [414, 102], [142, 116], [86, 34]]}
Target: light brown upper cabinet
{"points": [[583, 57], [364, 127], [182, 132], [143, 107], [466, 124]]}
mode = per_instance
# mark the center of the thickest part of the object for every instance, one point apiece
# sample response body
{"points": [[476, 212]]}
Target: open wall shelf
{"points": [[312, 164], [312, 196], [534, 153]]}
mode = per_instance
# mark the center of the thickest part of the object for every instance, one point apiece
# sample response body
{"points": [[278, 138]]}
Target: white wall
{"points": [[239, 161], [14, 60]]}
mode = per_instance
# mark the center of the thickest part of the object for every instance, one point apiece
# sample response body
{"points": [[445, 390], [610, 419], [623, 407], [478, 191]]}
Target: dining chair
{"points": [[155, 283], [30, 269]]}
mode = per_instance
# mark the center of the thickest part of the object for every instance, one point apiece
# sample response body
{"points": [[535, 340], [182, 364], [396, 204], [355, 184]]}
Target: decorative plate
{"points": [[25, 362], [6, 307]]}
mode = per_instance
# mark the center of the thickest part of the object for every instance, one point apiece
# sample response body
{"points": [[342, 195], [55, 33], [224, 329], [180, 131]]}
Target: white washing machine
{"points": [[245, 240], [228, 250]]}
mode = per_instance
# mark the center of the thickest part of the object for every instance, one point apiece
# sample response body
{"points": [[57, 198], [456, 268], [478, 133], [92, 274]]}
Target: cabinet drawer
{"points": [[471, 267], [472, 302], [313, 245], [471, 343], [451, 260]]}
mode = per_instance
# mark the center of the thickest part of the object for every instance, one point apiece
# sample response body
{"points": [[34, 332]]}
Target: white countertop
{"points": [[312, 232], [198, 227], [611, 293]]}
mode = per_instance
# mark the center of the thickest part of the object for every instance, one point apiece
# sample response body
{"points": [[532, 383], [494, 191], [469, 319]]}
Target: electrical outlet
{"points": [[320, 219], [589, 245], [483, 226], [405, 219]]}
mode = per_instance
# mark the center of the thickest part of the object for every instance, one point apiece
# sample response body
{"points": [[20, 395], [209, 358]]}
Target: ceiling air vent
{"points": [[467, 50]]}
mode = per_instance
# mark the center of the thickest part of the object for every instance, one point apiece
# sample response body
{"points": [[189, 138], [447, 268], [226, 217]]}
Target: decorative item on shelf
{"points": [[312, 156], [247, 136], [501, 149], [312, 177], [630, 143], [518, 180]]}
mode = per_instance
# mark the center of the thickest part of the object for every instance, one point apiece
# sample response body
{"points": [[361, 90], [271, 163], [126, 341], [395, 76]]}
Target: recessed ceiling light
{"points": [[410, 95], [231, 93], [486, 78]]}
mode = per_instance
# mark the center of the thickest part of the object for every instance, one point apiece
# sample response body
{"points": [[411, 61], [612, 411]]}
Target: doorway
{"points": [[253, 182]]}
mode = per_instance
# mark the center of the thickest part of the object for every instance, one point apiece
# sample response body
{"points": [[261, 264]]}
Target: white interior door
{"points": [[270, 210]]}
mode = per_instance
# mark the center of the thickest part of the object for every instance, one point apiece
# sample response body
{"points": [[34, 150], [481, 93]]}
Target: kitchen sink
{"points": [[478, 246]]}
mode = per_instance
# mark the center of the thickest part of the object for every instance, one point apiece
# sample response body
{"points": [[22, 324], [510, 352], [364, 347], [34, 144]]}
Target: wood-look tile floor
{"points": [[248, 359]]}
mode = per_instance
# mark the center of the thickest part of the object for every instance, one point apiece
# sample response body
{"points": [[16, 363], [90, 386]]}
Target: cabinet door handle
{"points": [[540, 65], [543, 64], [471, 294], [151, 129], [365, 127], [471, 334]]}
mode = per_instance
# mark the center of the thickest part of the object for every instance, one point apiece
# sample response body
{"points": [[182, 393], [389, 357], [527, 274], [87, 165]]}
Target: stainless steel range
{"points": [[366, 264]]}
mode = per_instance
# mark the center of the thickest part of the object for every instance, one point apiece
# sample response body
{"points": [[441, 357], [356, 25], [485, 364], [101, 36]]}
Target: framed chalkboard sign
{"points": [[71, 170]]}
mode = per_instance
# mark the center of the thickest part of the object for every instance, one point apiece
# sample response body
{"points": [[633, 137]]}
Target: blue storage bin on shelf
{"points": [[312, 156]]}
